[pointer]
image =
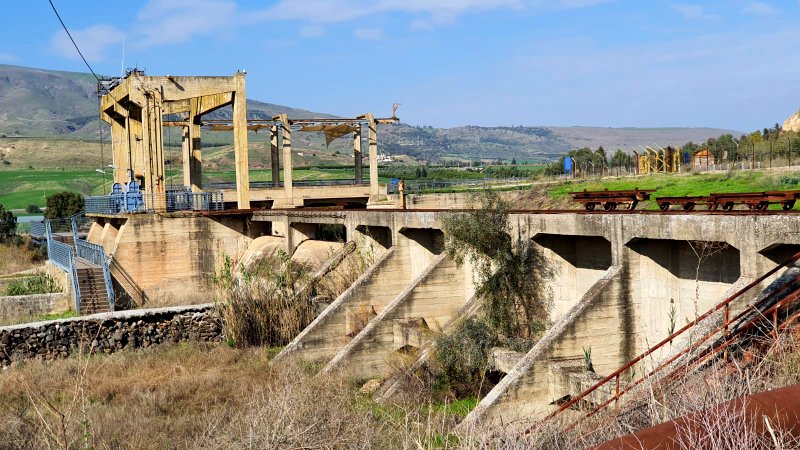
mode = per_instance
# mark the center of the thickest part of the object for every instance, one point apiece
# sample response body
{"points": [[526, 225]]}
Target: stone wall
{"points": [[108, 332], [31, 305]]}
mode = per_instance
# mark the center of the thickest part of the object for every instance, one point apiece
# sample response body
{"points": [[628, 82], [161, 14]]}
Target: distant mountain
{"points": [[37, 102]]}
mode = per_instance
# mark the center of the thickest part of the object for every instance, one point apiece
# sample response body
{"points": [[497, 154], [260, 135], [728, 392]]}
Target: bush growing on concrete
{"points": [[267, 304], [462, 358], [504, 274]]}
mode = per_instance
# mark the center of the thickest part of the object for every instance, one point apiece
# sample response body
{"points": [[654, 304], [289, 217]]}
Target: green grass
{"points": [[20, 188], [688, 185], [459, 408]]}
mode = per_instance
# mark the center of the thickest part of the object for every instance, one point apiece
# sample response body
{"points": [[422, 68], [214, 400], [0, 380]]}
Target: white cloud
{"points": [[421, 25], [432, 11], [312, 31], [370, 34], [760, 9], [175, 21], [94, 42], [692, 11]]}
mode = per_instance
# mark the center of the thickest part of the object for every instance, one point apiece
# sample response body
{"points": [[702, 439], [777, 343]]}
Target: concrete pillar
{"points": [[120, 147], [286, 142], [372, 140], [186, 154], [273, 148], [357, 157], [191, 148], [196, 166], [240, 144]]}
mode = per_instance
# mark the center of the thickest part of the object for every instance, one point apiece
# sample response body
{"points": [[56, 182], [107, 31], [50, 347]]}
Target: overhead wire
{"points": [[99, 82]]}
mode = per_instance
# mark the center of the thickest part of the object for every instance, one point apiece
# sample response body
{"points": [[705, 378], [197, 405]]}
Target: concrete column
{"points": [[240, 144], [196, 166], [357, 157], [186, 154], [372, 139], [192, 154], [286, 143], [119, 150], [273, 147]]}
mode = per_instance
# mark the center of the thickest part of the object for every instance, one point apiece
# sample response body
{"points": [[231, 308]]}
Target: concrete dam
{"points": [[615, 281]]}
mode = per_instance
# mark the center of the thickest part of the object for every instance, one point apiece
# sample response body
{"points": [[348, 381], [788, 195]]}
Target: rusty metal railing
{"points": [[766, 308]]}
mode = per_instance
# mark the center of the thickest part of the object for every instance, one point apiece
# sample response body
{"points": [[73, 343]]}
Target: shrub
{"points": [[33, 209], [462, 357], [8, 224], [265, 305]]}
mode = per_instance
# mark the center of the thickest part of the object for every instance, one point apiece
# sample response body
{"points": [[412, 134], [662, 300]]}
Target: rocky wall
{"points": [[108, 332]]}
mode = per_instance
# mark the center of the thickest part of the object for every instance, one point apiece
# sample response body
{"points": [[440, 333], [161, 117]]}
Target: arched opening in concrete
{"points": [[780, 253], [375, 236], [423, 246], [570, 266], [671, 282]]}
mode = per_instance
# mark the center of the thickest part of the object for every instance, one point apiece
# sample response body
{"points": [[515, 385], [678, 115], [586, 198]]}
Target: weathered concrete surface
{"points": [[172, 257], [32, 305], [108, 332], [424, 307], [618, 281], [370, 294], [529, 388]]}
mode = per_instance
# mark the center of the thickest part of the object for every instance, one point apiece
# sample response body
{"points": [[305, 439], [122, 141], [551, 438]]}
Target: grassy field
{"points": [[688, 184], [20, 188]]}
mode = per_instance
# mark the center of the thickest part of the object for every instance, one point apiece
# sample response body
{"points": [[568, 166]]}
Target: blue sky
{"points": [[729, 64]]}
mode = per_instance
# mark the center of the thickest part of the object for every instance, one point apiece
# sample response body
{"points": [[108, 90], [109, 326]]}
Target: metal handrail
{"points": [[171, 201], [94, 254], [728, 336], [122, 275], [63, 257], [412, 186], [270, 184]]}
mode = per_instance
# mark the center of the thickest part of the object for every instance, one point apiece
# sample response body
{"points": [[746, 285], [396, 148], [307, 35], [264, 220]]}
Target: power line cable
{"points": [[99, 83], [73, 40]]}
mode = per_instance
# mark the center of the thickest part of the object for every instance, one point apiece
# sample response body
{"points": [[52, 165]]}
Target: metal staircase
{"points": [[85, 262], [714, 334]]}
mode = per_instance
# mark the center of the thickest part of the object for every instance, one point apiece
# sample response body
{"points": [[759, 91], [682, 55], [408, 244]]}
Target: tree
{"points": [[513, 161], [620, 159], [8, 224], [63, 204], [503, 267], [33, 209]]}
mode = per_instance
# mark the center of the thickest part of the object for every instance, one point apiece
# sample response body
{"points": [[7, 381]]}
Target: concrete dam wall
{"points": [[615, 282]]}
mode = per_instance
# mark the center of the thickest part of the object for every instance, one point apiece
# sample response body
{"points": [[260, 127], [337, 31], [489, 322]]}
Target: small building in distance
{"points": [[702, 159]]}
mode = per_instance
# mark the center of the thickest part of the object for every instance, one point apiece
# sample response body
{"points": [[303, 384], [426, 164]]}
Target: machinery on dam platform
{"points": [[139, 107]]}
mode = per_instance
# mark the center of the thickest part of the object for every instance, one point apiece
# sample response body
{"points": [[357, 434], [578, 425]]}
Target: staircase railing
{"points": [[63, 257], [763, 313], [124, 278], [94, 254]]}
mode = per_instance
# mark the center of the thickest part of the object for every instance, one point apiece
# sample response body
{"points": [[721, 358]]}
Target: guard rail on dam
{"points": [[615, 279]]}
